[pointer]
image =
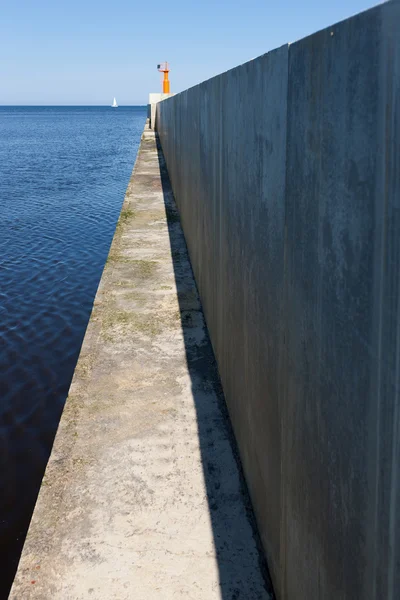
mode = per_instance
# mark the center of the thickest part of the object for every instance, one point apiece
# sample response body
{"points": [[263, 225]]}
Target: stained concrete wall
{"points": [[286, 171], [154, 98]]}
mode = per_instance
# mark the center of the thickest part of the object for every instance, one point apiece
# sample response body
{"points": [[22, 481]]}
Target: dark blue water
{"points": [[63, 175]]}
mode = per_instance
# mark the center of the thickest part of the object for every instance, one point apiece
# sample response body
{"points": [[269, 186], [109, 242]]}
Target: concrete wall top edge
{"points": [[360, 15], [242, 65], [379, 7]]}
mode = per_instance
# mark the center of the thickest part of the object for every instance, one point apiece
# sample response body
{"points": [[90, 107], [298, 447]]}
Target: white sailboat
{"points": [[114, 104]]}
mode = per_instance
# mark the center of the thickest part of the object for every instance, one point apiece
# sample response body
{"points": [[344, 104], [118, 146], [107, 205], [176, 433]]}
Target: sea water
{"points": [[63, 175]]}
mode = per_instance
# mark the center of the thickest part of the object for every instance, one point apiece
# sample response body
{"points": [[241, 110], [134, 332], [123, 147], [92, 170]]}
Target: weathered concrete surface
{"points": [[154, 98], [341, 458], [142, 498], [286, 171]]}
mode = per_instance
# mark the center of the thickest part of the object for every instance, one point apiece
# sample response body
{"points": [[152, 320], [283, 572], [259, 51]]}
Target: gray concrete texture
{"points": [[286, 172], [154, 98]]}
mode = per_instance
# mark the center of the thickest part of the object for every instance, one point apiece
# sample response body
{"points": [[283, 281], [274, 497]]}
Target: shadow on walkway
{"points": [[243, 571]]}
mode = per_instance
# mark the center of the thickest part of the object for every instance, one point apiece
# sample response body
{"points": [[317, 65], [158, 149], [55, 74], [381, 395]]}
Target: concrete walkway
{"points": [[142, 497]]}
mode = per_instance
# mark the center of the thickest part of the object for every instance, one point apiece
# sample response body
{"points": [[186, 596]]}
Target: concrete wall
{"points": [[286, 171], [154, 98]]}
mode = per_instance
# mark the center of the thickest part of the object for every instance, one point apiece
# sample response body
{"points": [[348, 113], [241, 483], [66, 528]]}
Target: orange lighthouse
{"points": [[163, 68]]}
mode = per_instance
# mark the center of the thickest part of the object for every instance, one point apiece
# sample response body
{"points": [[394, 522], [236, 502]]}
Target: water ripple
{"points": [[63, 175]]}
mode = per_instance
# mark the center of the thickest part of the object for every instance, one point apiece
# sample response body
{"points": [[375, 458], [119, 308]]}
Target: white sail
{"points": [[114, 104]]}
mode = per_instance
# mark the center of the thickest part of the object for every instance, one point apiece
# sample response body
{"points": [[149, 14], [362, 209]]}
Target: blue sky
{"points": [[87, 51]]}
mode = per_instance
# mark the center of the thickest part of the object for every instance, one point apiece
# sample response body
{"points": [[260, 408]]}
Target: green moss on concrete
{"points": [[117, 323], [138, 297], [142, 268], [122, 322], [126, 215], [145, 268]]}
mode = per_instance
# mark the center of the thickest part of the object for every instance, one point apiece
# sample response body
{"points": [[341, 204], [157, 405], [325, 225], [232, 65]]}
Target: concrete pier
{"points": [[143, 497]]}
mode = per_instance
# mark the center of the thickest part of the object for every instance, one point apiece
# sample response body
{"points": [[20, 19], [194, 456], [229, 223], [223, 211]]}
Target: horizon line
{"points": [[76, 105]]}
